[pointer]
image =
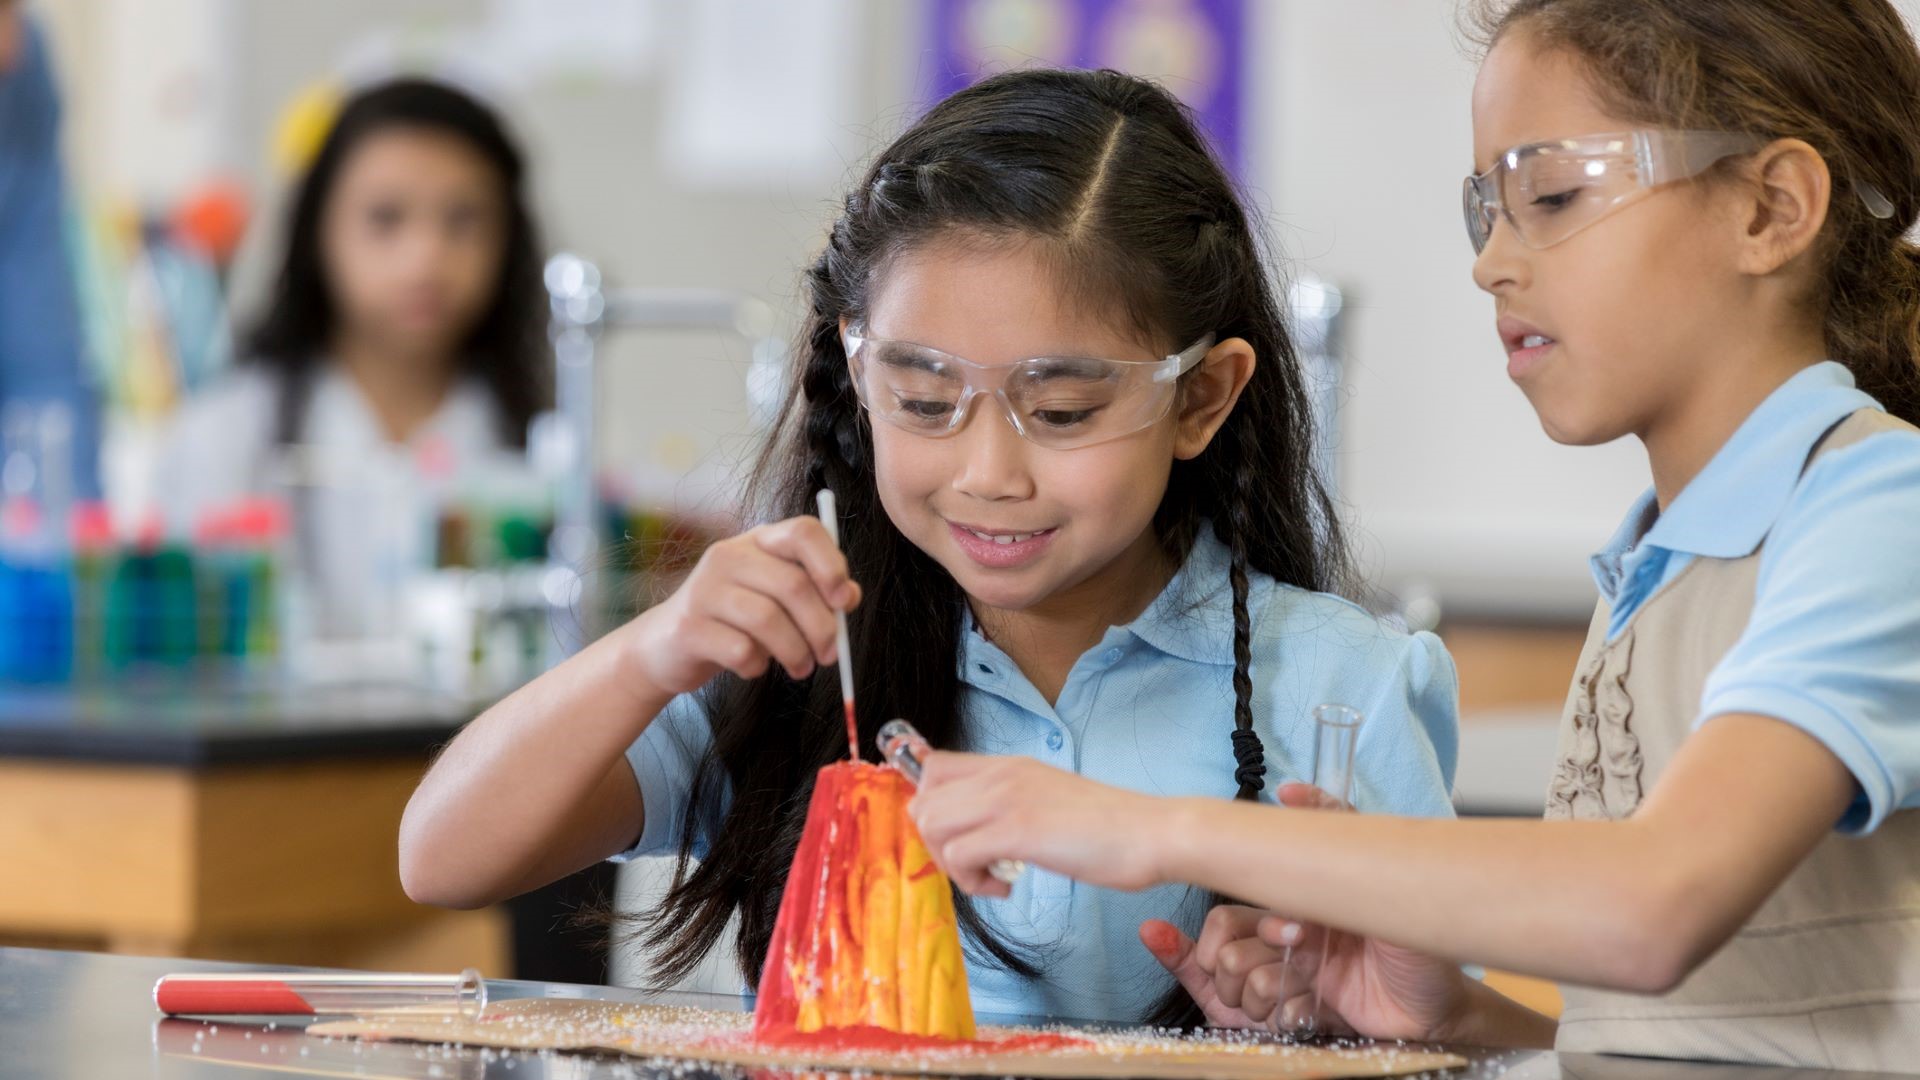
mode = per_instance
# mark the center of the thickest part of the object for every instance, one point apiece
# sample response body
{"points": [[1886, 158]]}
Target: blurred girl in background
{"points": [[404, 340]]}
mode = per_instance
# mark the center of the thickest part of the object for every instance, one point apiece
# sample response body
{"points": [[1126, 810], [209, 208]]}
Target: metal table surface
{"points": [[83, 1015], [181, 723]]}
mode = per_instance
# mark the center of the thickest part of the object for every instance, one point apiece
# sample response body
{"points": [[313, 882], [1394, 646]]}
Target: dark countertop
{"points": [[81, 1015], [184, 724]]}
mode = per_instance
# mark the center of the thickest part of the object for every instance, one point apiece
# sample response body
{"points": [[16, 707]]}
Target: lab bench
{"points": [[243, 822], [72, 1015]]}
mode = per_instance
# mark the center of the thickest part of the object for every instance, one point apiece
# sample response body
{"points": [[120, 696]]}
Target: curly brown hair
{"points": [[1841, 75]]}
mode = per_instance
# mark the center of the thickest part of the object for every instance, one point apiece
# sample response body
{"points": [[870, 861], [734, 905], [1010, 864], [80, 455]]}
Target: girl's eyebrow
{"points": [[1063, 364], [1067, 367], [917, 358]]}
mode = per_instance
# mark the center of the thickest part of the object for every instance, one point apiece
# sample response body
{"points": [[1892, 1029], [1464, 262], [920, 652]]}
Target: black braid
{"points": [[1248, 754], [833, 441], [1178, 1009]]}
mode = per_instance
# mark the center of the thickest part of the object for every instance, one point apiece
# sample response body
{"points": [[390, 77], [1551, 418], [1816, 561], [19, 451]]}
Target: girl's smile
{"points": [[1001, 549]]}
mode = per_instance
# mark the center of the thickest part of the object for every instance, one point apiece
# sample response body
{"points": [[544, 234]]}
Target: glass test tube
{"points": [[1336, 730], [302, 994]]}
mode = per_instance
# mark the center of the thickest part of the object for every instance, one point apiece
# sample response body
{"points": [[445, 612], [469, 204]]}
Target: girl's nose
{"points": [[1501, 265], [991, 455]]}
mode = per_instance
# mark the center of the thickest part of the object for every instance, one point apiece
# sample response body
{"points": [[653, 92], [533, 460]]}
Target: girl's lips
{"points": [[1525, 343], [1524, 359], [996, 555]]}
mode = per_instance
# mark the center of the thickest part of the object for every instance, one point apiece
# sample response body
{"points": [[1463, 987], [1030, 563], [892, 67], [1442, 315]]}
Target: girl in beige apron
{"points": [[1691, 215]]}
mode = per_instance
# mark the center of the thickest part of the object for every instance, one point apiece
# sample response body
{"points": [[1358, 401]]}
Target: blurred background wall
{"points": [[1356, 136]]}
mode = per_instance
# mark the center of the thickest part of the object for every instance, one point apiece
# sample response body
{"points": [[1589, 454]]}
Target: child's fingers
{"points": [[941, 767], [794, 590], [1237, 962], [979, 883], [1307, 797], [1176, 952], [804, 540], [1179, 954], [1171, 946], [717, 643], [969, 859], [1225, 923], [1278, 930], [971, 876], [945, 813], [1266, 987], [1292, 974], [768, 624]]}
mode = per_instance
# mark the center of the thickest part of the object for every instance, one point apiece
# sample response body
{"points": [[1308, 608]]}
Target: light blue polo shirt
{"points": [[1150, 708], [1833, 646]]}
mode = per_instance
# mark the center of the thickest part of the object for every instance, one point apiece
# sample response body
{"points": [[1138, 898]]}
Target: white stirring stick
{"points": [[830, 517]]}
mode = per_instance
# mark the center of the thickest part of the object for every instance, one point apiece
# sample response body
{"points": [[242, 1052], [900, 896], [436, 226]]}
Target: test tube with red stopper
{"points": [[310, 994]]}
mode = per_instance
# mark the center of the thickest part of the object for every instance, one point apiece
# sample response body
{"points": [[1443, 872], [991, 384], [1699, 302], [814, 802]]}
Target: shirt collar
{"points": [[1192, 618], [1608, 564], [1730, 507], [340, 414]]}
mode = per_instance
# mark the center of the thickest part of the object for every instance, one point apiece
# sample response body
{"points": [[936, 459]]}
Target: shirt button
{"points": [[1113, 655], [1055, 740]]}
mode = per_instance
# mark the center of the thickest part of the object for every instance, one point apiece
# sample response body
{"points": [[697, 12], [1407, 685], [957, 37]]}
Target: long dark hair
{"points": [[1109, 173], [507, 347], [1842, 75]]}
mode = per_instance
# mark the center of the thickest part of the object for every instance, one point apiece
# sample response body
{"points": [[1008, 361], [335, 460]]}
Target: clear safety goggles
{"points": [[1059, 402], [1548, 191]]}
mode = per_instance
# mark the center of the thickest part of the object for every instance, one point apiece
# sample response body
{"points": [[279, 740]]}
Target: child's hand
{"points": [[1367, 986], [1237, 979], [765, 596], [973, 810]]}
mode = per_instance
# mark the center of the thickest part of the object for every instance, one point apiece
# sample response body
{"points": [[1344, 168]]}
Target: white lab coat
{"points": [[363, 507]]}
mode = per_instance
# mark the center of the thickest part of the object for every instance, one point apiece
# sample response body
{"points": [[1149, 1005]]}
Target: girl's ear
{"points": [[1789, 198], [1208, 395]]}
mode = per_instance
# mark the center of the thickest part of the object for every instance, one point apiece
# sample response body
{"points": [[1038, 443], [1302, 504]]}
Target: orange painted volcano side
{"points": [[866, 936]]}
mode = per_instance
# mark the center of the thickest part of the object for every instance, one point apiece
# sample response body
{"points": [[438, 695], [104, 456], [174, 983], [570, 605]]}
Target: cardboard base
{"points": [[725, 1039]]}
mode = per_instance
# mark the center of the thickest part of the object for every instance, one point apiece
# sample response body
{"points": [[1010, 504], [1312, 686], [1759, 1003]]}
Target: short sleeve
{"points": [[1833, 646], [664, 759], [1411, 736]]}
